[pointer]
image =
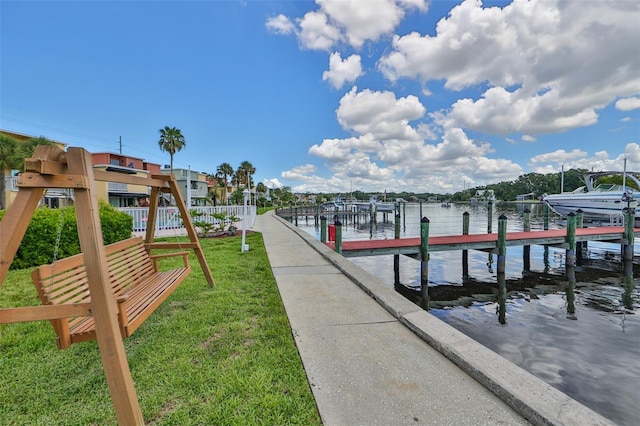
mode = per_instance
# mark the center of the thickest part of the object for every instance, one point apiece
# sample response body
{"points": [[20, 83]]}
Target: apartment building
{"points": [[193, 185]]}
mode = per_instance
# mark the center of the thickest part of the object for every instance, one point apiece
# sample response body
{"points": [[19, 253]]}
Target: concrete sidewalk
{"points": [[374, 358]]}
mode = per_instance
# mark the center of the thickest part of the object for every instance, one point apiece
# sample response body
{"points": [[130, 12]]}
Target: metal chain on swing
{"points": [[57, 245], [58, 236]]}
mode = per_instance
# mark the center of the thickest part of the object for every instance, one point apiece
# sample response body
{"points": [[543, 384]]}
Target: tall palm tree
{"points": [[9, 159], [224, 171], [171, 141], [247, 170]]}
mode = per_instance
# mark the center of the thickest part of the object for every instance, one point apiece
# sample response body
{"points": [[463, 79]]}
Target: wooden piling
{"points": [[338, 236], [570, 264], [502, 243], [465, 253], [628, 284], [373, 210], [295, 215], [424, 262], [629, 215], [570, 293], [501, 269], [502, 299], [396, 257], [526, 250], [571, 240], [580, 247], [545, 217], [489, 217], [323, 229]]}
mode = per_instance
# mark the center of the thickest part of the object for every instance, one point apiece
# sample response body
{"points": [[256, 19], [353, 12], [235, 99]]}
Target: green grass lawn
{"points": [[220, 355]]}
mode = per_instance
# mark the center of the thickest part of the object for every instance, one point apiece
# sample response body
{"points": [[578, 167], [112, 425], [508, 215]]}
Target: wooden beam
{"points": [[36, 180], [152, 216], [45, 167], [105, 311], [47, 159], [105, 176], [191, 230], [14, 224], [44, 312]]}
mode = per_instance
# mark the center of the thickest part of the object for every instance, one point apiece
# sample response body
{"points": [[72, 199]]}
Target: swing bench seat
{"points": [[138, 286]]}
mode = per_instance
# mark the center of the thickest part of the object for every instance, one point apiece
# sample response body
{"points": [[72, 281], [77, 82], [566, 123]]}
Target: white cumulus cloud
{"points": [[280, 25], [628, 104], [544, 61], [342, 71]]}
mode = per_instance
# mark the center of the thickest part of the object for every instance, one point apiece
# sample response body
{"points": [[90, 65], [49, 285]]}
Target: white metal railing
{"points": [[169, 217]]}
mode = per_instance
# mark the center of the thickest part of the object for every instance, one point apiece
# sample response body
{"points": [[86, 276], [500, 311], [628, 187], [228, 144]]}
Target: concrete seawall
{"points": [[529, 396]]}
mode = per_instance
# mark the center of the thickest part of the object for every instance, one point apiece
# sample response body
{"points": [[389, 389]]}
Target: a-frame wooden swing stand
{"points": [[50, 167]]}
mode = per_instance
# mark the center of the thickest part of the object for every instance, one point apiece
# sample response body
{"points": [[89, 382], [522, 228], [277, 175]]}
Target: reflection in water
{"points": [[627, 298], [528, 320], [501, 309], [571, 300]]}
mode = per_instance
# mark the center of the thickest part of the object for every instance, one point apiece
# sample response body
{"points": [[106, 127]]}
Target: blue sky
{"points": [[329, 96]]}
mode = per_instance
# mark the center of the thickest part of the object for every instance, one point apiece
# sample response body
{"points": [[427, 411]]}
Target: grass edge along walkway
{"points": [[223, 355]]}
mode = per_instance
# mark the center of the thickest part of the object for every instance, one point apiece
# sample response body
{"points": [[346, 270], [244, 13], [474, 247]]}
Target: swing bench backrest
{"points": [[138, 286]]}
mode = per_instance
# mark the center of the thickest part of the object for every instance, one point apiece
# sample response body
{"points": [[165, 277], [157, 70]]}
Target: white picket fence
{"points": [[168, 221]]}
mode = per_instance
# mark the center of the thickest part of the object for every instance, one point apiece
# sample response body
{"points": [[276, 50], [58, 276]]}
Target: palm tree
{"points": [[224, 171], [261, 188], [247, 170], [171, 141]]}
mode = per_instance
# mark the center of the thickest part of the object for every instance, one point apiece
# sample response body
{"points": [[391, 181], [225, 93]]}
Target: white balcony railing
{"points": [[117, 187]]}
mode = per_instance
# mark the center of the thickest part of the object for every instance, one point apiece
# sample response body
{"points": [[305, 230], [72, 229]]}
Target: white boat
{"points": [[338, 203], [380, 206], [604, 202]]}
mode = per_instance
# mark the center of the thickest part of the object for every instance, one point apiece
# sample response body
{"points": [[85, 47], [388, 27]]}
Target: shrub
{"points": [[38, 246]]}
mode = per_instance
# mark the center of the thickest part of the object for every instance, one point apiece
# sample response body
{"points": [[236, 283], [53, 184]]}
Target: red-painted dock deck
{"points": [[487, 242]]}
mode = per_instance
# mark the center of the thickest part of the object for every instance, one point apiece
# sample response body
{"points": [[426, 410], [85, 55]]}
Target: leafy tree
{"points": [[171, 141], [26, 149], [9, 159], [617, 179], [12, 156]]}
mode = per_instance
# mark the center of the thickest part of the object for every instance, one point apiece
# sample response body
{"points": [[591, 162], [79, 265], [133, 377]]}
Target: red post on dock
{"points": [[332, 232]]}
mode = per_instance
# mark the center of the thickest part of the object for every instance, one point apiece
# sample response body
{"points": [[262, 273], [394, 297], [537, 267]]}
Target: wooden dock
{"points": [[486, 242]]}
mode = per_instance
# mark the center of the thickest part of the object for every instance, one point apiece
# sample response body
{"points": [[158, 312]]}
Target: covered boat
{"points": [[603, 202]]}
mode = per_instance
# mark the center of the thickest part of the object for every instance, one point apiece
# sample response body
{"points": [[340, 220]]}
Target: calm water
{"points": [[593, 355]]}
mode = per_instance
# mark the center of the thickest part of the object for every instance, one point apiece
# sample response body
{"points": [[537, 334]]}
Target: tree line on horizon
{"points": [[533, 184]]}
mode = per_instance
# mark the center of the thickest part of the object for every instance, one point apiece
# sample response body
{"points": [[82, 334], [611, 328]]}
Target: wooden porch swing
{"points": [[105, 292]]}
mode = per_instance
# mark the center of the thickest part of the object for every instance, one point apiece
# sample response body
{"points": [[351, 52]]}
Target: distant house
{"points": [[193, 185], [122, 194], [485, 195]]}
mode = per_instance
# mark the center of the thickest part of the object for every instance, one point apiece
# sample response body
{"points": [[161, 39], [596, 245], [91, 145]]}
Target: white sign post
{"points": [[245, 247]]}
